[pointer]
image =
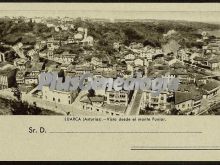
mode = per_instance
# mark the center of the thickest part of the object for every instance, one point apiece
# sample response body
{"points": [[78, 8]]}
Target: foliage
{"points": [[91, 93], [23, 108], [106, 33]]}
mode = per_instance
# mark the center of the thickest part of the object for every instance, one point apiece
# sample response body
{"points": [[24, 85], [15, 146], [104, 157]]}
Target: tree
{"points": [[17, 93], [23, 108], [34, 110], [175, 111], [132, 35], [91, 93], [18, 107], [10, 56]]}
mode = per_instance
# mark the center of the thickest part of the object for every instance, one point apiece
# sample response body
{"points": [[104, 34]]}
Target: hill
{"points": [[106, 33]]}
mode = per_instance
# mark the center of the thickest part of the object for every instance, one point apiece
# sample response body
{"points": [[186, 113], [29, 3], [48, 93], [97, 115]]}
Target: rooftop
{"points": [[6, 68], [115, 108], [89, 100], [36, 67], [210, 86], [26, 89], [181, 97]]}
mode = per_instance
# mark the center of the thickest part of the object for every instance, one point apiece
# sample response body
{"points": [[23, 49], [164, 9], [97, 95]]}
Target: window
{"points": [[58, 100], [53, 99], [69, 102], [111, 95]]}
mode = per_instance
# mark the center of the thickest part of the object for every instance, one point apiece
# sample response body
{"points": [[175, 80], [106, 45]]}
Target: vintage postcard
{"points": [[109, 81]]}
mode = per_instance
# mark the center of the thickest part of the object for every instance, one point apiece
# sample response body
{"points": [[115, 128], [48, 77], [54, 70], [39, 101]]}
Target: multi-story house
{"points": [[157, 101], [183, 55], [129, 57], [50, 54], [31, 52], [89, 103], [214, 63], [104, 68], [20, 77], [118, 97], [7, 75], [64, 57], [30, 79], [211, 48], [98, 104], [53, 44], [32, 74], [71, 40], [187, 101], [147, 56], [21, 63], [96, 61], [181, 74], [210, 89], [116, 45], [210, 62], [59, 97], [138, 62], [80, 69], [87, 41]]}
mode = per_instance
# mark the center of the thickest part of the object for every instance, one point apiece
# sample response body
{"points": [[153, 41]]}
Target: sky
{"points": [[190, 12]]}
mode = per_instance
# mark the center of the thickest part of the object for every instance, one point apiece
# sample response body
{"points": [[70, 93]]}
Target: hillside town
{"points": [[71, 50]]}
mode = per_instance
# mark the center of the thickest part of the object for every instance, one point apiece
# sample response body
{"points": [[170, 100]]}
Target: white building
{"points": [[60, 97], [129, 57], [96, 61], [31, 52], [156, 101], [187, 101], [172, 61], [88, 40], [138, 62], [117, 97], [97, 104]]}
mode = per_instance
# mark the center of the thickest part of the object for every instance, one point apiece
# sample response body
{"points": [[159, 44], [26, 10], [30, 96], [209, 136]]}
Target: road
{"points": [[205, 105], [134, 107]]}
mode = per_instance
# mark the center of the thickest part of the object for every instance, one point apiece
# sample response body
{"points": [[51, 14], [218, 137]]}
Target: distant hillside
{"points": [[106, 33], [12, 32], [148, 33]]}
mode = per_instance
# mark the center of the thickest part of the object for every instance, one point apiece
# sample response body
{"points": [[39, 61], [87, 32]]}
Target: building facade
{"points": [[59, 97]]}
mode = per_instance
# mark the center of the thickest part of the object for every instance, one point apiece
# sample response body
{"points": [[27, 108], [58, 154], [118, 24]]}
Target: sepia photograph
{"points": [[109, 81], [109, 62]]}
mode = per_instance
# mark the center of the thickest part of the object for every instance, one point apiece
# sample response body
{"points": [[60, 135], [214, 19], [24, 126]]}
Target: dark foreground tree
{"points": [[23, 108]]}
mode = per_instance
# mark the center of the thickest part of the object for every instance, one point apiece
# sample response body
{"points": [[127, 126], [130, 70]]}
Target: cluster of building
{"points": [[56, 54]]}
